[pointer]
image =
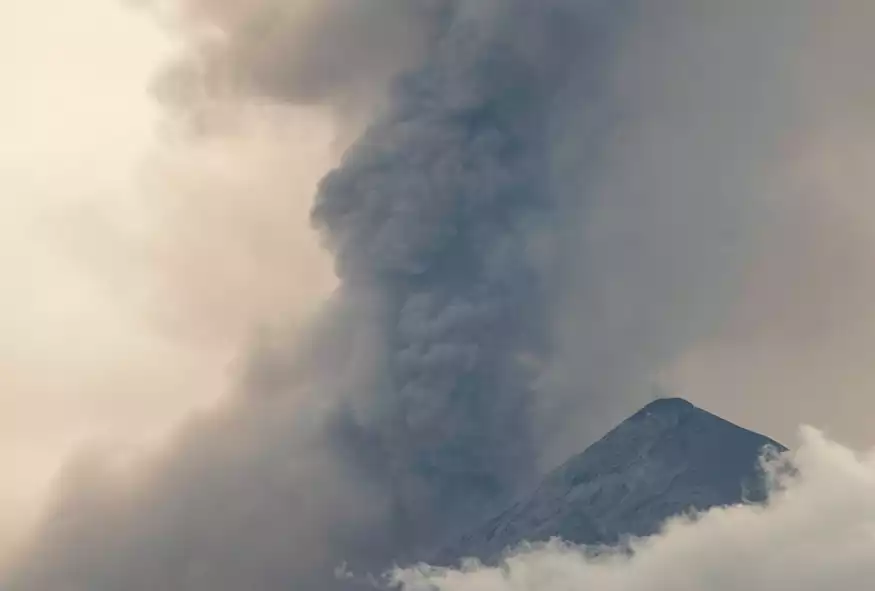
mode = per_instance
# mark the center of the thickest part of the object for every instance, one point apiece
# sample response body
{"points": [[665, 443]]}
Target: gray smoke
{"points": [[658, 235], [436, 211], [328, 52], [550, 202], [410, 409]]}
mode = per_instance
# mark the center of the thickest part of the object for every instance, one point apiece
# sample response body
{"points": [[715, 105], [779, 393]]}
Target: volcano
{"points": [[667, 459]]}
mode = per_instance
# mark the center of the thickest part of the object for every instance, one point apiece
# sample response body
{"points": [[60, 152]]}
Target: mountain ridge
{"points": [[668, 458]]}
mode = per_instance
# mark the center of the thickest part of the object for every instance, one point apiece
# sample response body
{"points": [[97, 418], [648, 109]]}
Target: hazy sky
{"points": [[117, 318], [77, 119], [140, 265]]}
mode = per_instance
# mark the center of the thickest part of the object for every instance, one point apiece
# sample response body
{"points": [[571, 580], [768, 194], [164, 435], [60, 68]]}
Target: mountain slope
{"points": [[667, 458]]}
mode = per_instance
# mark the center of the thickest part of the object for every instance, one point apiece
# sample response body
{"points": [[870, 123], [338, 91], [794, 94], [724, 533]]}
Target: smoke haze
{"points": [[122, 309], [536, 213]]}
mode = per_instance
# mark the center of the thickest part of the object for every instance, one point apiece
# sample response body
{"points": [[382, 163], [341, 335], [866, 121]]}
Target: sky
{"points": [[100, 340], [62, 158], [170, 287]]}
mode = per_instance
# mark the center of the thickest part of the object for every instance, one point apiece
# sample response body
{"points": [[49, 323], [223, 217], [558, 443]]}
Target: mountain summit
{"points": [[668, 458]]}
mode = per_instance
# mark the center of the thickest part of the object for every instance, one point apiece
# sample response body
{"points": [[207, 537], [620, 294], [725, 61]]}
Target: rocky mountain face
{"points": [[668, 458]]}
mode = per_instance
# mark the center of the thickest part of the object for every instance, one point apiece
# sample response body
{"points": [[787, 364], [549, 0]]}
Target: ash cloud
{"points": [[336, 53], [434, 211], [547, 204], [658, 236], [394, 420]]}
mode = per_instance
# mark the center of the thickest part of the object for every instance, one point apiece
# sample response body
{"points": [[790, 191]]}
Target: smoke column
{"points": [[434, 213], [545, 204]]}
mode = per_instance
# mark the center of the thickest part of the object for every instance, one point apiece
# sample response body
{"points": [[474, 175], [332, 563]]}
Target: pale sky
{"points": [[76, 119], [90, 343]]}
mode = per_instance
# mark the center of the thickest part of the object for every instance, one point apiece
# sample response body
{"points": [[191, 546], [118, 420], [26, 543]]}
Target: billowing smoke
{"points": [[816, 533], [435, 212], [340, 54], [544, 205], [439, 217]]}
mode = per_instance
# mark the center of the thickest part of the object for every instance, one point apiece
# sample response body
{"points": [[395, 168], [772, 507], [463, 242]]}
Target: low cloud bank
{"points": [[817, 532]]}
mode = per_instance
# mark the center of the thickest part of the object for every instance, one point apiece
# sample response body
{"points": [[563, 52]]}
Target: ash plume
{"points": [[408, 412], [545, 204], [435, 211]]}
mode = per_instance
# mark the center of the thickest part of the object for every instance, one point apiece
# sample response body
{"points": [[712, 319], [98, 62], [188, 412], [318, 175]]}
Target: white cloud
{"points": [[817, 532]]}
